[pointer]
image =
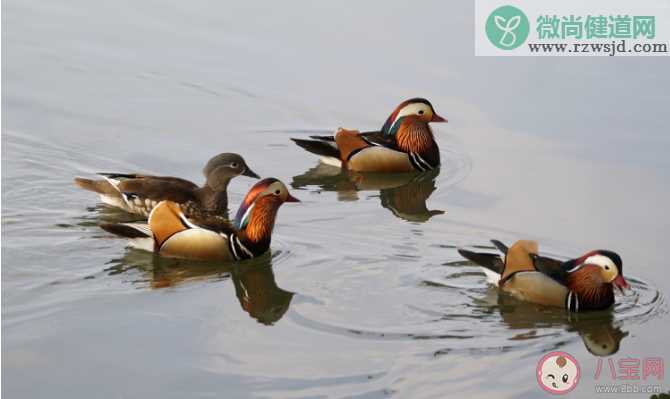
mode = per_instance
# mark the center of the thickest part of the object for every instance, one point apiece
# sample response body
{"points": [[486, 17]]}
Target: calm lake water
{"points": [[363, 294]]}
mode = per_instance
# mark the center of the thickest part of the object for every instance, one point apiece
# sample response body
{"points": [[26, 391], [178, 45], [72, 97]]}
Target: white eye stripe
{"points": [[600, 260], [411, 109]]}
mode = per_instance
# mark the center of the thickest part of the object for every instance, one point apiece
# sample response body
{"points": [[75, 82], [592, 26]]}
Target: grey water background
{"points": [[364, 294]]}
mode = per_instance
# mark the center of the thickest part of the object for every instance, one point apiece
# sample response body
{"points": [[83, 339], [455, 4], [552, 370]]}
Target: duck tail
{"points": [[323, 138], [128, 230], [103, 187], [501, 247], [118, 176], [492, 263], [320, 145]]}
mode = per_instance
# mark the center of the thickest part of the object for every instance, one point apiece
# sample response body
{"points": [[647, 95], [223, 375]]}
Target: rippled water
{"points": [[363, 293]]}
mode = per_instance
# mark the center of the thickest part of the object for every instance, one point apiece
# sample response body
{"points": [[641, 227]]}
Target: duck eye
{"points": [[234, 164], [565, 378], [277, 192], [607, 267], [420, 112]]}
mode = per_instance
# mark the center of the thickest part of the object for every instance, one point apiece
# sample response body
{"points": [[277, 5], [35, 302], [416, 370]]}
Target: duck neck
{"points": [[213, 200], [414, 135], [257, 234], [592, 291]]}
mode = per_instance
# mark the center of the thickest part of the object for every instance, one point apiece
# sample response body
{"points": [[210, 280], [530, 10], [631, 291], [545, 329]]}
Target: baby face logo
{"points": [[507, 27], [558, 373]]}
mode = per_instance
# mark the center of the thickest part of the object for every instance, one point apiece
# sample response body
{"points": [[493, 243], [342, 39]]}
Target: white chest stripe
{"points": [[419, 163], [232, 247], [236, 245], [415, 163], [569, 304], [572, 297], [243, 248], [423, 162]]}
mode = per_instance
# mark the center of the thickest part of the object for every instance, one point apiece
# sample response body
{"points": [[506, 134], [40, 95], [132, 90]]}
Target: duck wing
{"points": [[553, 268], [380, 139], [372, 138], [158, 188]]}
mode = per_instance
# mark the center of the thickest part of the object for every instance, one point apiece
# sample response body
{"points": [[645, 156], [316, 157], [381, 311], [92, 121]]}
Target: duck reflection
{"points": [[404, 194], [599, 331], [257, 291], [254, 280]]}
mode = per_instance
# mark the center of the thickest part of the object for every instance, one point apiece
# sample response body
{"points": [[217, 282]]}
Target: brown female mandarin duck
{"points": [[169, 232], [139, 194], [404, 144], [584, 283]]}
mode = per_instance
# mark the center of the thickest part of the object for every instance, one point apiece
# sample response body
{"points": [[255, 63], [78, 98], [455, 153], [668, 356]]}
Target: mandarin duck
{"points": [[581, 284], [172, 233], [404, 144], [139, 194]]}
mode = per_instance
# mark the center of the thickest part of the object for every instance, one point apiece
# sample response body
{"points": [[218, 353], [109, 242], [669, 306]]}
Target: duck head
{"points": [[416, 108], [606, 264], [593, 276], [223, 167], [256, 217]]}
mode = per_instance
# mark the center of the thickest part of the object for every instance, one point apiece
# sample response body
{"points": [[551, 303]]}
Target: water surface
{"points": [[363, 293]]}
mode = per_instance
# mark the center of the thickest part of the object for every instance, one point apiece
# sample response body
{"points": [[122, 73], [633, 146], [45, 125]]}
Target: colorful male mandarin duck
{"points": [[585, 283], [139, 194], [404, 144], [171, 233]]}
